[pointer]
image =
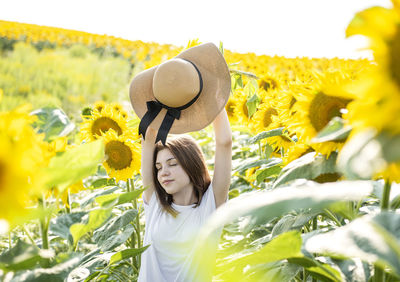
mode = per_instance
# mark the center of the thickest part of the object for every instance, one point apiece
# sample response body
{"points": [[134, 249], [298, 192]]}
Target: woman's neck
{"points": [[185, 197]]}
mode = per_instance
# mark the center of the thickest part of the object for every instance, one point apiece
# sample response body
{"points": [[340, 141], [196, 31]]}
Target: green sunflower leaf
{"points": [[367, 153], [23, 256], [118, 199], [263, 206], [74, 164], [266, 134], [115, 231], [309, 166], [335, 130], [128, 253], [53, 122], [374, 239], [93, 220]]}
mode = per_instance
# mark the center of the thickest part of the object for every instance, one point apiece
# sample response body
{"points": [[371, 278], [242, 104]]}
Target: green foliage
{"points": [[22, 256], [66, 78], [53, 122], [309, 166], [74, 164], [93, 220], [128, 253]]}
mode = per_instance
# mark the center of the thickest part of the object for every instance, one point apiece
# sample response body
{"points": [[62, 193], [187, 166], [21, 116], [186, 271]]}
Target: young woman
{"points": [[179, 198]]}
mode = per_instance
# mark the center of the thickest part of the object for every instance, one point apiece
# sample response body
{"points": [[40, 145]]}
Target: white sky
{"points": [[313, 28]]}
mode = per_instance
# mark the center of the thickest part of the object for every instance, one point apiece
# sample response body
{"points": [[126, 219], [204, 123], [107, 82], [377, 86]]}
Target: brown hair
{"points": [[191, 158]]}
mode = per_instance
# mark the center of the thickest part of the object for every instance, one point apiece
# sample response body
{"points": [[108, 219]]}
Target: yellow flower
{"points": [[315, 106], [98, 123], [21, 160], [99, 106], [230, 109], [299, 149], [391, 172], [269, 81], [192, 43], [118, 109], [281, 142], [240, 109], [122, 155], [265, 117], [378, 92]]}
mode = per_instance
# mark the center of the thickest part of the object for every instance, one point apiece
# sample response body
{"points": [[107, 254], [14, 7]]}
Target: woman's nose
{"points": [[164, 171]]}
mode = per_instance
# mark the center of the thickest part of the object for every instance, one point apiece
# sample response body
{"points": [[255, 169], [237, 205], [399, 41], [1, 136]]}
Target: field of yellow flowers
{"points": [[316, 159]]}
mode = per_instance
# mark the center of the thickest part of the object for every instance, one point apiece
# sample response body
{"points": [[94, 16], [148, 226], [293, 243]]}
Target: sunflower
{"points": [[265, 117], [123, 155], [378, 89], [315, 106], [268, 82], [99, 106], [282, 142], [21, 160], [390, 173], [240, 109], [230, 109], [99, 123], [294, 152], [118, 109]]}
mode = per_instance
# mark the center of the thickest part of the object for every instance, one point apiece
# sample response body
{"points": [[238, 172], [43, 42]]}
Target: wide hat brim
{"points": [[213, 98]]}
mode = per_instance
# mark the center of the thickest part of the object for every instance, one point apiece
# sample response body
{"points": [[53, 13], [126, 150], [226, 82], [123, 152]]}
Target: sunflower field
{"points": [[315, 192]]}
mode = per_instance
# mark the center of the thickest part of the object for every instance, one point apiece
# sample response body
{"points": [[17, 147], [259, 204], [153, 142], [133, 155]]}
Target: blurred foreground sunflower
{"points": [[21, 160], [378, 101]]}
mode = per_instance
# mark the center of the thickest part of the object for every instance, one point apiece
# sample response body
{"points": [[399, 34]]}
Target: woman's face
{"points": [[170, 173]]}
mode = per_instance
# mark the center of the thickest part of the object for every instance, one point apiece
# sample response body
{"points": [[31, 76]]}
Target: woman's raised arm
{"points": [[223, 158], [147, 165]]}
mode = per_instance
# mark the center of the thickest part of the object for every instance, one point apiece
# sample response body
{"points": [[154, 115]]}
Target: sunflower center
{"points": [[268, 116], [103, 124], [327, 177], [119, 155], [323, 108], [229, 108], [394, 55], [2, 174], [268, 84], [245, 110]]}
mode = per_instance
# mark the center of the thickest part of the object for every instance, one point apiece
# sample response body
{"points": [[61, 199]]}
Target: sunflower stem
{"points": [[9, 240], [133, 236], [386, 196], [139, 243], [68, 205], [44, 227], [379, 275], [332, 217], [28, 234]]}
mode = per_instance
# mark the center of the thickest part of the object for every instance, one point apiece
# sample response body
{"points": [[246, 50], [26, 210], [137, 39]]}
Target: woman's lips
{"points": [[167, 182]]}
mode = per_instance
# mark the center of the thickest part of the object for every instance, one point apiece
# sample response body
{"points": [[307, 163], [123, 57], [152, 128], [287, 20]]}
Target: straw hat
{"points": [[183, 94]]}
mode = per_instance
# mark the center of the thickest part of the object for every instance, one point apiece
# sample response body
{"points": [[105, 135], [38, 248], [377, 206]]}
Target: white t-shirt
{"points": [[172, 240]]}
